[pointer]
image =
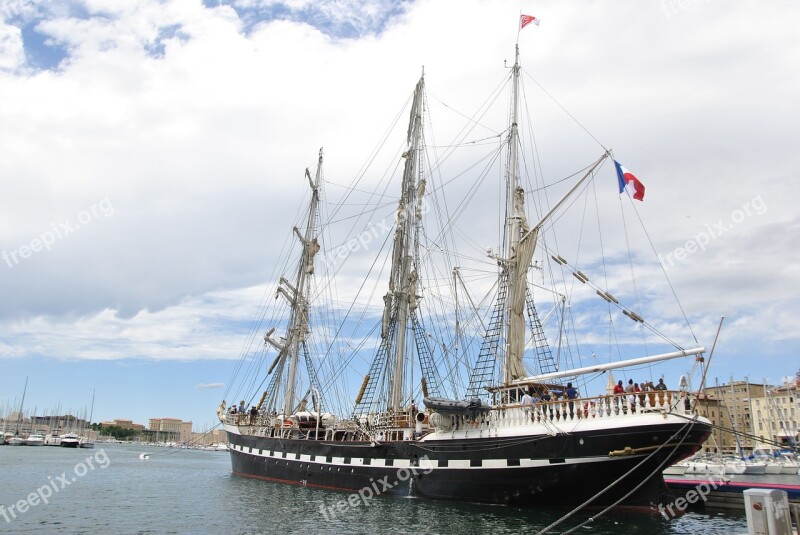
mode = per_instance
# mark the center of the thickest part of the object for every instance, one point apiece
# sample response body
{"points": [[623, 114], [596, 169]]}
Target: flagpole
{"points": [[519, 25]]}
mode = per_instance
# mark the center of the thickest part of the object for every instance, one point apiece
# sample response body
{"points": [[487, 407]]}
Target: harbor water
{"points": [[110, 489]]}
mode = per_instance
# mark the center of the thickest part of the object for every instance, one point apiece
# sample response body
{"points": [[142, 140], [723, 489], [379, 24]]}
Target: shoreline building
{"points": [[173, 429], [123, 424], [776, 415], [728, 406]]}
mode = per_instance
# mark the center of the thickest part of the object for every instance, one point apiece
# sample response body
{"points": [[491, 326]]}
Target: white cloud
{"points": [[201, 149], [12, 53], [209, 385]]}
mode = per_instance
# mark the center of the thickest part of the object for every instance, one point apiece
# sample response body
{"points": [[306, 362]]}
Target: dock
{"points": [[724, 494]]}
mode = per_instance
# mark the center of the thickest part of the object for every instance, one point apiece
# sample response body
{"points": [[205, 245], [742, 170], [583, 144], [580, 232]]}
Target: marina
{"points": [[728, 493], [190, 491]]}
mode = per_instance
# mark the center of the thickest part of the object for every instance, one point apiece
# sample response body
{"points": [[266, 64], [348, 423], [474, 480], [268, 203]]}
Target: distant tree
{"points": [[118, 432]]}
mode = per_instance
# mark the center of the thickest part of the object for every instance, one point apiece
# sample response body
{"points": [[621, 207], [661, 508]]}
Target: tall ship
{"points": [[395, 363]]}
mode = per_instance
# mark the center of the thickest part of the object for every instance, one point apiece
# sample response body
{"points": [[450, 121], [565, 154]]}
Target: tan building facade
{"points": [[776, 416], [215, 436], [728, 406], [124, 424], [175, 427]]}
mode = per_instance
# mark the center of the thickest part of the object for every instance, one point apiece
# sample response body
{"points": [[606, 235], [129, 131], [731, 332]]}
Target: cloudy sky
{"points": [[148, 149]]}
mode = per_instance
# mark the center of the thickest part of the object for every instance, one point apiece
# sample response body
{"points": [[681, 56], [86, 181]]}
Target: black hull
{"points": [[557, 470]]}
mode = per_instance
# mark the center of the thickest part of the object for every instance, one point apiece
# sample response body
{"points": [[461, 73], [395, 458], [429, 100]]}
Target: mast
{"points": [[515, 224], [736, 421], [296, 293], [91, 411], [401, 297], [520, 241], [21, 404]]}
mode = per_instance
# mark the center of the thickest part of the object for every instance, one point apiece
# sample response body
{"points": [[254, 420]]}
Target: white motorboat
{"points": [[70, 440], [35, 439]]}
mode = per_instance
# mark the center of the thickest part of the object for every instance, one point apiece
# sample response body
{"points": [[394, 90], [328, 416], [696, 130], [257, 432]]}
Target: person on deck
{"points": [[618, 388], [661, 385], [571, 393], [528, 400]]}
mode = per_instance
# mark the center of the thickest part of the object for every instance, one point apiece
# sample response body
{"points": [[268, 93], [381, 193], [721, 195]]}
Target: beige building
{"points": [[173, 428], [776, 415], [728, 406], [708, 406], [124, 424], [215, 436]]}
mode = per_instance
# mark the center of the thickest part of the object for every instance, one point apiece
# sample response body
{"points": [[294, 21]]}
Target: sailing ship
{"points": [[421, 425]]}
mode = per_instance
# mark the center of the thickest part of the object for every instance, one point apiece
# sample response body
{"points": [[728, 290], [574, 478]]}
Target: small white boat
{"points": [[735, 467], [696, 467], [716, 468], [773, 468], [70, 440], [52, 440], [15, 441], [790, 467], [35, 440], [676, 469], [755, 468], [85, 443]]}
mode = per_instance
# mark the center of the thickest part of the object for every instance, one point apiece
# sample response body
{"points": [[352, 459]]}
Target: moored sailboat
{"points": [[482, 440]]}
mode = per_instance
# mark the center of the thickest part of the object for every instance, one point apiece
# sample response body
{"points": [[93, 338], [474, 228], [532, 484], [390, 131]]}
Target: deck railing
{"points": [[515, 415], [566, 411]]}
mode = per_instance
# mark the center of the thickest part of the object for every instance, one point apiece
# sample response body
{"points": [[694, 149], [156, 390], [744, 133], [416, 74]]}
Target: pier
{"points": [[729, 494]]}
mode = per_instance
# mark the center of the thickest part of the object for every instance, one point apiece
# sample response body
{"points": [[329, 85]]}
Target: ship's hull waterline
{"points": [[519, 470]]}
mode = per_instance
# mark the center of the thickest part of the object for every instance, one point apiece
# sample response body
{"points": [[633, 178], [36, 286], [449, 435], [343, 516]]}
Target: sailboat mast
{"points": [[403, 281], [298, 328], [515, 226], [21, 404], [520, 242], [91, 411]]}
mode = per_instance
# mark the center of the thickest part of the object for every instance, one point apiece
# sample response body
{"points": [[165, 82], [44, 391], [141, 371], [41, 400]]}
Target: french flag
{"points": [[629, 182]]}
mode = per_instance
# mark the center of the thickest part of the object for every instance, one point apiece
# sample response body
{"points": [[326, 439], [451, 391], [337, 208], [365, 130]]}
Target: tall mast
{"points": [[520, 241], [401, 297], [515, 225], [21, 404], [296, 294]]}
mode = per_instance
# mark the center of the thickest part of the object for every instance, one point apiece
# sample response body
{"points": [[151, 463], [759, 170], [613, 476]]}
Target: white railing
{"points": [[567, 411]]}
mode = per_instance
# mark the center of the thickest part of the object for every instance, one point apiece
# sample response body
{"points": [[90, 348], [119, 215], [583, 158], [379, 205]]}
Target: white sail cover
{"points": [[516, 342]]}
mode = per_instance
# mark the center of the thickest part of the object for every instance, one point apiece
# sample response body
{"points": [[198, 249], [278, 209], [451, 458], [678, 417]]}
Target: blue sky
{"points": [[145, 149]]}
